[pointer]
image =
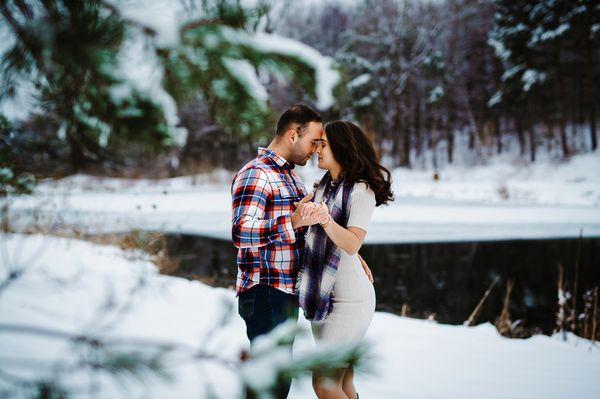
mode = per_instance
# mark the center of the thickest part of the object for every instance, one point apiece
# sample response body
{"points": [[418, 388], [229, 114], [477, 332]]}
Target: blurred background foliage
{"points": [[432, 82]]}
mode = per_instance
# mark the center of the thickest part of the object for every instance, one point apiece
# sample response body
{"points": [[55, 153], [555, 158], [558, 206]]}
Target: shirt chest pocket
{"points": [[283, 201]]}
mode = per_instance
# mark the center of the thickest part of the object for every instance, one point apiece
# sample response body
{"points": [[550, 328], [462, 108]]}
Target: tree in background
{"points": [[85, 64], [549, 50], [383, 62], [506, 73], [436, 81], [68, 50]]}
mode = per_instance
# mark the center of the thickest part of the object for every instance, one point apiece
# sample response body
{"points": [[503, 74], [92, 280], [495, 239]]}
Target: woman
{"points": [[335, 293]]}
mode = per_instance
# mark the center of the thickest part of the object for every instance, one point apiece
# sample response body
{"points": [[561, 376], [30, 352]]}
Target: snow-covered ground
{"points": [[76, 287], [501, 200]]}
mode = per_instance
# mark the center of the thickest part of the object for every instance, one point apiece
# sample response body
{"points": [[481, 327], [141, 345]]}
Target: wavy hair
{"points": [[353, 150]]}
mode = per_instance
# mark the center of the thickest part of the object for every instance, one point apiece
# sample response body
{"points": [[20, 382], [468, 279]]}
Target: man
{"points": [[267, 226]]}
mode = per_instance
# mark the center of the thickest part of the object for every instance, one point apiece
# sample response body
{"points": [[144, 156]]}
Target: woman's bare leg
{"points": [[348, 383], [329, 387]]}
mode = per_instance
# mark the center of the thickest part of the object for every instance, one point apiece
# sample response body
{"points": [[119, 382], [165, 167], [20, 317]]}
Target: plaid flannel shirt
{"points": [[263, 195]]}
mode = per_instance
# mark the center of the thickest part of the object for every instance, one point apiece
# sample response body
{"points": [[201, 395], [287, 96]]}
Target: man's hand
{"points": [[297, 215], [308, 213], [366, 268]]}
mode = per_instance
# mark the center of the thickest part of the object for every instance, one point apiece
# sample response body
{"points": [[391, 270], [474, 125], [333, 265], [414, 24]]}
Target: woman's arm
{"points": [[349, 239]]}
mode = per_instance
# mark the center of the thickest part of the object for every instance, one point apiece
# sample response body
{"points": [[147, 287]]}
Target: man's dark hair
{"points": [[297, 114]]}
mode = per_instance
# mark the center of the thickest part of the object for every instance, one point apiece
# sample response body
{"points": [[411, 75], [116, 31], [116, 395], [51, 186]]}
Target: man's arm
{"points": [[251, 192]]}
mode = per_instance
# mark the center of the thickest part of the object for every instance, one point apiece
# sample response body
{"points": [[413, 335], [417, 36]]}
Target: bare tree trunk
{"points": [[450, 138], [521, 135], [549, 136], [532, 145], [433, 140], [471, 139], [397, 140], [498, 135], [430, 130], [76, 157], [418, 135], [562, 101], [591, 95], [407, 126]]}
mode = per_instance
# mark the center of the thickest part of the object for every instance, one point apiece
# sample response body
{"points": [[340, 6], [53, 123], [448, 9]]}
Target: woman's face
{"points": [[326, 159]]}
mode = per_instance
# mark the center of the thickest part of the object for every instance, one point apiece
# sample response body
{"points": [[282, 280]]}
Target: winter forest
{"points": [[124, 122], [431, 81]]}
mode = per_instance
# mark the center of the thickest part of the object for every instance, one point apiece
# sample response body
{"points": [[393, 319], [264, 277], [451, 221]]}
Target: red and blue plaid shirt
{"points": [[263, 195]]}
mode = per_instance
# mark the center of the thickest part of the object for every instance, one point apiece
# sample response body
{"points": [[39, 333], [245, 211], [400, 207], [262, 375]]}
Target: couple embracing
{"points": [[301, 250]]}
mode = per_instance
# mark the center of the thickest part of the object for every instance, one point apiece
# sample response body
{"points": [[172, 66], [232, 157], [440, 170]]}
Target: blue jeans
{"points": [[263, 308]]}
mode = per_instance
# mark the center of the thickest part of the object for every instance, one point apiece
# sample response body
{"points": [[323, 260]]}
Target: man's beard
{"points": [[299, 159]]}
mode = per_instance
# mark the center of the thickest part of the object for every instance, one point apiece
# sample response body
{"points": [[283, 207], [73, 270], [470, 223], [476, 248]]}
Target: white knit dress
{"points": [[354, 295]]}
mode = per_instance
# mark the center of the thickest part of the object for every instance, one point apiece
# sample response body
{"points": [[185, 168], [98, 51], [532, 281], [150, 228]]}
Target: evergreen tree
{"points": [[69, 49], [549, 49], [72, 53]]}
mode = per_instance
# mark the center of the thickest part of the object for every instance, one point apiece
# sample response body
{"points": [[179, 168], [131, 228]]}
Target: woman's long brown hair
{"points": [[353, 150]]}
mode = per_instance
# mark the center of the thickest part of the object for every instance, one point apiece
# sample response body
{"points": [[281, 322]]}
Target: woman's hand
{"points": [[323, 212], [320, 212], [308, 213], [366, 269]]}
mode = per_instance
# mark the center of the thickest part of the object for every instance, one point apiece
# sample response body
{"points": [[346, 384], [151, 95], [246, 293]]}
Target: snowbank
{"points": [[77, 286]]}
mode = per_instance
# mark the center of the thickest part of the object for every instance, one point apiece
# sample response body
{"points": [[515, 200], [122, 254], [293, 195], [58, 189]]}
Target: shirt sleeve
{"points": [[362, 202], [251, 192]]}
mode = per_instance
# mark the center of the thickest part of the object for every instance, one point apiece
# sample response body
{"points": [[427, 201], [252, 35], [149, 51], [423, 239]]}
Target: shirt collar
{"points": [[279, 160]]}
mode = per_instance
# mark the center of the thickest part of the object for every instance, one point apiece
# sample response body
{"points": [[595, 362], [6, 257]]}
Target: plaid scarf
{"points": [[317, 274]]}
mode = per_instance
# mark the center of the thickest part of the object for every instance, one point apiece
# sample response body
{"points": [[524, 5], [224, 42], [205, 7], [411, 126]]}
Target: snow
{"points": [[509, 73], [163, 16], [326, 76], [359, 81], [496, 99], [499, 49], [141, 71], [24, 101], [166, 18], [507, 179], [531, 77], [541, 35], [116, 294], [502, 200], [436, 94], [245, 73]]}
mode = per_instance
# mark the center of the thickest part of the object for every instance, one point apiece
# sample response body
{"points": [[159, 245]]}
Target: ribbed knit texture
{"points": [[354, 301]]}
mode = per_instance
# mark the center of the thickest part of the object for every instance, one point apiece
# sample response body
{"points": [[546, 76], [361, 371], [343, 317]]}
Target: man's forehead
{"points": [[314, 130]]}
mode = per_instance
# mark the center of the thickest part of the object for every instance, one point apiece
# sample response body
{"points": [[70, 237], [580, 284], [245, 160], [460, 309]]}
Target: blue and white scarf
{"points": [[317, 275]]}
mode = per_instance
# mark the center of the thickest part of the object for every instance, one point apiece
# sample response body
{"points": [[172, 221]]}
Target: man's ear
{"points": [[292, 134]]}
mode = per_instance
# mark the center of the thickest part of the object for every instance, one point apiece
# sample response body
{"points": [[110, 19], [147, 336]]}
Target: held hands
{"points": [[308, 213]]}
